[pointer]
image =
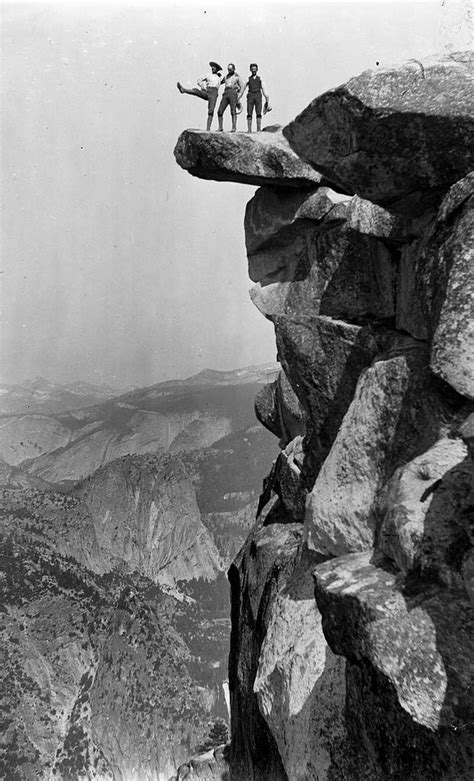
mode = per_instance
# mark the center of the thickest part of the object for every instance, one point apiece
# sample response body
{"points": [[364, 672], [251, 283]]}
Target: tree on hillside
{"points": [[218, 734]]}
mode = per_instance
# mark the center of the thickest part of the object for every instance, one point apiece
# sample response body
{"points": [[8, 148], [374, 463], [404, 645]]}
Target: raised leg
{"points": [[199, 93]]}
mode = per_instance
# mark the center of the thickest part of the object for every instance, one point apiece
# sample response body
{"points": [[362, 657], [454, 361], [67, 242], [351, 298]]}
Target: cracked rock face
{"points": [[437, 284], [396, 136], [394, 413], [420, 503], [410, 672], [366, 275]]}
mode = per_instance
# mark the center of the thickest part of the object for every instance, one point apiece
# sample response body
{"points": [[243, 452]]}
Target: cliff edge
{"points": [[352, 640]]}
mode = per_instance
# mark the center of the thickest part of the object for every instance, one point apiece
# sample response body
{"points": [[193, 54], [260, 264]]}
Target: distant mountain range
{"points": [[42, 396], [39, 395], [118, 522], [174, 416]]}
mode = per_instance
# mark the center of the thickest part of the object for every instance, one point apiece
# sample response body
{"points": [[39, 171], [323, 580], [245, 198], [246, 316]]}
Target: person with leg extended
{"points": [[233, 86], [256, 89], [207, 89]]}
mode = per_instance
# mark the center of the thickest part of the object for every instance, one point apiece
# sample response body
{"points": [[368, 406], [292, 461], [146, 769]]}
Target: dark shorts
{"points": [[229, 98], [209, 94], [212, 93], [254, 99]]}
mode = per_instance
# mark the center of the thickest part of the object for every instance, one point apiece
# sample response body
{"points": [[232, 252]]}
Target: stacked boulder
{"points": [[360, 245]]}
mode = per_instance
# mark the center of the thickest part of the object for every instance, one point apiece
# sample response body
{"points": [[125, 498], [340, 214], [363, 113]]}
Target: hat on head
{"points": [[215, 65]]}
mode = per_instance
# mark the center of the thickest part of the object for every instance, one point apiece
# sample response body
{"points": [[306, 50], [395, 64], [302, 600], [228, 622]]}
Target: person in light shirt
{"points": [[207, 89], [233, 86], [256, 88]]}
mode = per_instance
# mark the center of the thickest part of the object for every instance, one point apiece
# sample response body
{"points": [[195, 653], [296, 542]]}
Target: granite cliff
{"points": [[352, 641]]}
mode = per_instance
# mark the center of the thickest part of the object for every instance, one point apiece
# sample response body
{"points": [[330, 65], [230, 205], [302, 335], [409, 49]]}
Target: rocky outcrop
{"points": [[410, 656], [320, 264], [436, 280], [278, 408], [300, 682], [265, 158], [366, 277], [146, 518], [28, 436], [397, 136], [210, 766], [396, 412], [256, 575], [421, 500]]}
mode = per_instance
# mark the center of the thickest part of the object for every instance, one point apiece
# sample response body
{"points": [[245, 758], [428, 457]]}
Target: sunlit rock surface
{"points": [[261, 158], [366, 276], [398, 136]]}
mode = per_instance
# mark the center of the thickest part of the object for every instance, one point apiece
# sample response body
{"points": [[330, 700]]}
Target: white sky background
{"points": [[117, 265]]}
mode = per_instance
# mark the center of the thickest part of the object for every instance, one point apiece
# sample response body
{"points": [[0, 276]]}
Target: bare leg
{"points": [[249, 125], [259, 124], [195, 91]]}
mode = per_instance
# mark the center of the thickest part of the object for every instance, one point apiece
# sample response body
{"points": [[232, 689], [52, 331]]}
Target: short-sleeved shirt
{"points": [[209, 80]]}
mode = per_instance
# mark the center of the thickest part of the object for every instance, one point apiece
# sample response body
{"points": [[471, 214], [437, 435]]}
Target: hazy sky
{"points": [[117, 265]]}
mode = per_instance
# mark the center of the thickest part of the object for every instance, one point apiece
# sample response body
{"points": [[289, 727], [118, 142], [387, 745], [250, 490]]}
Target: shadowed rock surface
{"points": [[437, 281]]}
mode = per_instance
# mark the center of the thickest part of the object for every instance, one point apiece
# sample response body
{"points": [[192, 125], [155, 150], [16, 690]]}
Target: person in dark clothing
{"points": [[256, 92], [233, 86], [207, 89]]}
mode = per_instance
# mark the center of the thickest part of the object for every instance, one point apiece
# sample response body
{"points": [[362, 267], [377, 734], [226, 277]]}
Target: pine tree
{"points": [[218, 735]]}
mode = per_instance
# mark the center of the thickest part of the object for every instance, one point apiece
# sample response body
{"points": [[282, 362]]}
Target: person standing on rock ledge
{"points": [[256, 89], [233, 87], [207, 89]]}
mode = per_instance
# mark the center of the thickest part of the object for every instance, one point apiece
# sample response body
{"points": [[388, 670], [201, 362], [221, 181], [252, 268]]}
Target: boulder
{"points": [[396, 413], [466, 432], [266, 409], [420, 507], [274, 215], [278, 409], [398, 136], [318, 252], [437, 288], [260, 158], [291, 413], [372, 220], [410, 652], [261, 569], [287, 480], [323, 358], [300, 683], [210, 766]]}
